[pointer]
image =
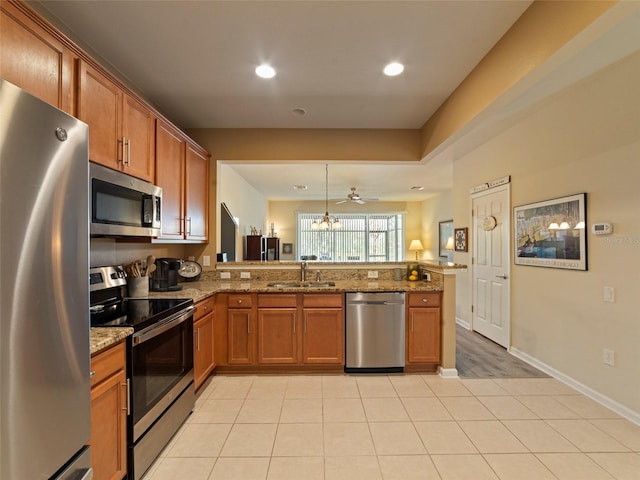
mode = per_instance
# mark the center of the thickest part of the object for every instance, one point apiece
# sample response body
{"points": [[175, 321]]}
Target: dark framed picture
{"points": [[552, 233], [287, 248], [460, 239], [445, 230]]}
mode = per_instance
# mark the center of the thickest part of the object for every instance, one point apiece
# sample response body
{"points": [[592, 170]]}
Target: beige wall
{"points": [[584, 139], [435, 210]]}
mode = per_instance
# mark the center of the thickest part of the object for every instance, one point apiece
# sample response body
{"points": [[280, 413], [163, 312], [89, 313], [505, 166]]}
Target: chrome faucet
{"points": [[303, 271]]}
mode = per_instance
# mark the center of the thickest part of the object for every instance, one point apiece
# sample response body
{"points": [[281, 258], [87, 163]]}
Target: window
{"points": [[362, 238]]}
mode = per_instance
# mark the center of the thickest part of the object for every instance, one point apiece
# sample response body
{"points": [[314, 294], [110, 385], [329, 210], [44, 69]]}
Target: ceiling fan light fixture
{"points": [[265, 71], [393, 69]]}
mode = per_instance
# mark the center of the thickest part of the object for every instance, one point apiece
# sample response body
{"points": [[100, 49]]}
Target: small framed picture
{"points": [[460, 239], [287, 248]]}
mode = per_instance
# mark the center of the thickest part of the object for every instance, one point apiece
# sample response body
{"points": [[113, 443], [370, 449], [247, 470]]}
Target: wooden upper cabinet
{"points": [[197, 193], [138, 128], [99, 104], [182, 170], [121, 130], [170, 152], [34, 60]]}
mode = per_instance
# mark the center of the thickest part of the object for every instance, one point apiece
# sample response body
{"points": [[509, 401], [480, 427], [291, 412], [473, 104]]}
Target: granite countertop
{"points": [[103, 337], [201, 290]]}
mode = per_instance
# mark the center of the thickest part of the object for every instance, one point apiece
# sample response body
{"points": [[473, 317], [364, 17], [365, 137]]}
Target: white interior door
{"points": [[491, 247]]}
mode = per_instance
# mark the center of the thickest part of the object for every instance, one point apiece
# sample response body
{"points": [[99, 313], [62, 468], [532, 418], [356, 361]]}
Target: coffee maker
{"points": [[165, 278]]}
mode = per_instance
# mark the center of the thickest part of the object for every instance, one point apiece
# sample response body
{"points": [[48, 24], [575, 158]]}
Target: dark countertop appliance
{"points": [[159, 362], [165, 278]]}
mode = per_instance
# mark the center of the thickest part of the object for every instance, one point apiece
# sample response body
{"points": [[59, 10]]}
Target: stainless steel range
{"points": [[159, 362]]}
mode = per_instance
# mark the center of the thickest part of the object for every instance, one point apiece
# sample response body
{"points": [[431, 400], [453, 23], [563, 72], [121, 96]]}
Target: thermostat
{"points": [[602, 229]]}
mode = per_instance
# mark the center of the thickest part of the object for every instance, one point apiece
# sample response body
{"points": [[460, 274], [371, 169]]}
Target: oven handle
{"points": [[161, 327]]}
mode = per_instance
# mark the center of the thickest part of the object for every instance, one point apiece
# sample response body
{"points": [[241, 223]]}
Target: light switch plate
{"points": [[206, 261], [609, 294], [372, 274], [225, 275], [245, 274]]}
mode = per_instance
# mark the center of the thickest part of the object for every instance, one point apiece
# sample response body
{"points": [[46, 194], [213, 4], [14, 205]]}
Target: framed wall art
{"points": [[552, 233], [460, 239], [445, 230], [287, 248]]}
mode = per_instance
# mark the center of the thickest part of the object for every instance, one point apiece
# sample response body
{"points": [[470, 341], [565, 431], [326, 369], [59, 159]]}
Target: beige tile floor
{"points": [[402, 427]]}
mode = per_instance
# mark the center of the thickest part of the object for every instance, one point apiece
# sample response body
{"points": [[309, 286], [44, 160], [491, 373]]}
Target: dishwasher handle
{"points": [[374, 302]]}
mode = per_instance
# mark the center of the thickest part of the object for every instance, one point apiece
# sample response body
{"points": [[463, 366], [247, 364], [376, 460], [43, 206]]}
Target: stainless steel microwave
{"points": [[122, 205]]}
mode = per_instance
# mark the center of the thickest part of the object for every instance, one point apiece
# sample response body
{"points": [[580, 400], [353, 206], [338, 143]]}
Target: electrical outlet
{"points": [[225, 275], [206, 261], [372, 274], [609, 294], [245, 275], [609, 357], [426, 277]]}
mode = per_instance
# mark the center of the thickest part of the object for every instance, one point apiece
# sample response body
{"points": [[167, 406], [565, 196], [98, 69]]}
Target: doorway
{"points": [[490, 266]]}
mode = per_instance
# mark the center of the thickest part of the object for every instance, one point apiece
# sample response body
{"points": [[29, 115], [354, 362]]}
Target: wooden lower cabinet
{"points": [[203, 358], [109, 414], [423, 328], [241, 330], [323, 329], [277, 336]]}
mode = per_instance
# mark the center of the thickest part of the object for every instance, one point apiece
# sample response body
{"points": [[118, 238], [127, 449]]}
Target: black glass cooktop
{"points": [[136, 313]]}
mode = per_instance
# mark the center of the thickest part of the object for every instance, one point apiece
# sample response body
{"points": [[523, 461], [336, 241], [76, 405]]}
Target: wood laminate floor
{"points": [[479, 357]]}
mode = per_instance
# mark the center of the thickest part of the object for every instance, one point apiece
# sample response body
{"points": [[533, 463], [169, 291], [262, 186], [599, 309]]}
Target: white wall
{"points": [[584, 139], [244, 202]]}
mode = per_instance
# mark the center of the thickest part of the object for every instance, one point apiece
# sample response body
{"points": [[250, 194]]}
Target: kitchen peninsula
{"points": [[227, 283]]}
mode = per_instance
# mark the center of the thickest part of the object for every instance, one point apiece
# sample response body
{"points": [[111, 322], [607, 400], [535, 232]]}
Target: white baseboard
{"points": [[611, 404], [463, 323], [448, 372]]}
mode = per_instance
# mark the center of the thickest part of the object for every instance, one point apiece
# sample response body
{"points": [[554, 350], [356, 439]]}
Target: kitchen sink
{"points": [[301, 284]]}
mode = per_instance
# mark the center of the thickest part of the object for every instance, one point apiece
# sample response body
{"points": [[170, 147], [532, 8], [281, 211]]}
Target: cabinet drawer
{"points": [[424, 299], [108, 362], [277, 301], [323, 300], [205, 307], [239, 301]]}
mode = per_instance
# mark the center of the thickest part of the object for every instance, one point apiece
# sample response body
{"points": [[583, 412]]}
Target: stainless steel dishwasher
{"points": [[375, 332]]}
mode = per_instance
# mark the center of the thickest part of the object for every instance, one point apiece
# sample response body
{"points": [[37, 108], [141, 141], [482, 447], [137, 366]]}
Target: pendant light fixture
{"points": [[327, 222]]}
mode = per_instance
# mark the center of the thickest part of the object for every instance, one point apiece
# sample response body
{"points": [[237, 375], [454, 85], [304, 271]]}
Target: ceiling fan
{"points": [[356, 198]]}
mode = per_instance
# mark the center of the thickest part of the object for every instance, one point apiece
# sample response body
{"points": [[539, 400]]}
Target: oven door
{"points": [[161, 367]]}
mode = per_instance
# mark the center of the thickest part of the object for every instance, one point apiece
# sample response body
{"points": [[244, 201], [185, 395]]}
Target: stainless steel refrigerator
{"points": [[45, 415]]}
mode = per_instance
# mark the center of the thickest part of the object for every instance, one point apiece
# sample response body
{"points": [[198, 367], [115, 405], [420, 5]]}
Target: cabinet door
{"points": [[277, 337], [34, 60], [323, 336], [170, 151], [423, 335], [197, 194], [138, 129], [99, 105], [203, 349], [240, 337]]}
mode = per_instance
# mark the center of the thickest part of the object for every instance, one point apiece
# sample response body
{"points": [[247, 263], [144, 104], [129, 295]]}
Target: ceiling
{"points": [[195, 61]]}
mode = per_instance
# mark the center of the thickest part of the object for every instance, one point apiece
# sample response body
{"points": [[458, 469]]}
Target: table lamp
{"points": [[416, 245]]}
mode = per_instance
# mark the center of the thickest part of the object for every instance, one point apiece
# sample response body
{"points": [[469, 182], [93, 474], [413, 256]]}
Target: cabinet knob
{"points": [[204, 308], [239, 301], [425, 300]]}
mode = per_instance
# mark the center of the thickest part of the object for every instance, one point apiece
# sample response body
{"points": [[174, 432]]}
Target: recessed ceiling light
{"points": [[393, 69], [298, 111], [265, 71], [300, 187], [417, 188]]}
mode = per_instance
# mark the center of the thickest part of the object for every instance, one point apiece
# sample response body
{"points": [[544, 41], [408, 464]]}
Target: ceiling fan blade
{"points": [[369, 199], [341, 201], [360, 201]]}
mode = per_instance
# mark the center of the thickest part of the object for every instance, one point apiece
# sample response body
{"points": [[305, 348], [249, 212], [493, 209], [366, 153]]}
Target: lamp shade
{"points": [[415, 245], [449, 245]]}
